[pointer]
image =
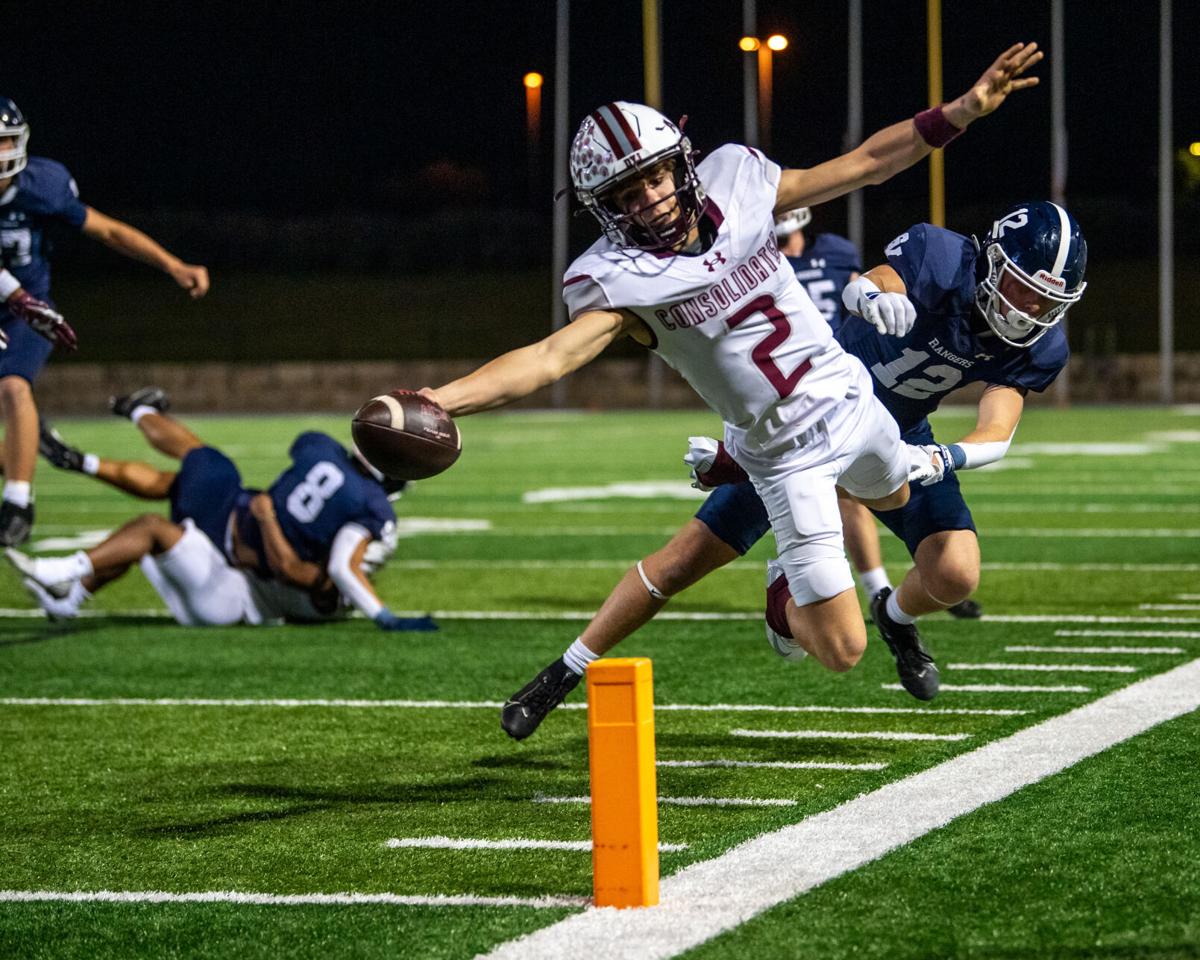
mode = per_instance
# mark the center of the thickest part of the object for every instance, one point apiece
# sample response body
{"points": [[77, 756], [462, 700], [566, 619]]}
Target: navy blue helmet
{"points": [[1031, 268], [12, 127]]}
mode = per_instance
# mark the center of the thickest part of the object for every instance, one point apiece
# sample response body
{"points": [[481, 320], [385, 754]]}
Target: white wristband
{"points": [[853, 293], [8, 284]]}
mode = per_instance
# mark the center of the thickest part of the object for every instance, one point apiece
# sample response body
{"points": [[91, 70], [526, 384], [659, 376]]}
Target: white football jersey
{"points": [[733, 320]]}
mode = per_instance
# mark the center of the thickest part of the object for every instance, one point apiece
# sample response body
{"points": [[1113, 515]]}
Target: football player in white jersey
{"points": [[688, 266]]}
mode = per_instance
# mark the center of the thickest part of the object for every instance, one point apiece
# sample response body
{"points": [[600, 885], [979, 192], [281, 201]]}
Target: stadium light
{"points": [[532, 82], [1194, 149], [764, 48]]}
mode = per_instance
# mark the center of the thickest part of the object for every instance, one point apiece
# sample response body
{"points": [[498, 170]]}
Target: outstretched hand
{"points": [[999, 80], [44, 320]]}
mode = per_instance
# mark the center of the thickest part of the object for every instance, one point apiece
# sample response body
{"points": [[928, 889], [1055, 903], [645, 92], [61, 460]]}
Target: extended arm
{"points": [[895, 148], [1000, 410], [131, 242], [880, 297], [281, 556], [520, 372]]}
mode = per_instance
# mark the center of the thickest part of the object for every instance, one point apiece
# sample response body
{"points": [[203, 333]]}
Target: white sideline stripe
{"points": [[773, 764], [286, 899], [1169, 606], [707, 898], [1141, 650], [1044, 667], [686, 801], [1150, 634], [462, 843], [846, 735], [1097, 567], [1000, 688], [1130, 533], [35, 614], [1079, 618], [467, 705]]}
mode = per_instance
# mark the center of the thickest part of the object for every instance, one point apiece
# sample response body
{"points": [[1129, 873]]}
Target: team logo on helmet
{"points": [[1032, 264]]}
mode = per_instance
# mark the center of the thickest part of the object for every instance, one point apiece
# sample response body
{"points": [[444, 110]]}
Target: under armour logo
{"points": [[718, 258], [984, 356]]}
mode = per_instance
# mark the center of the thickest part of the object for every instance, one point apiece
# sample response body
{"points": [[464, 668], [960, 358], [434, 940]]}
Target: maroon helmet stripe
{"points": [[634, 144], [613, 141]]}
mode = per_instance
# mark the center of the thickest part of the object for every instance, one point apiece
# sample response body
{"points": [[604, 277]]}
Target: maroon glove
{"points": [[43, 319]]}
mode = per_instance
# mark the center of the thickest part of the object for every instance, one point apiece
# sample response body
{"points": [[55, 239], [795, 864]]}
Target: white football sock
{"points": [[894, 611], [577, 657], [62, 569], [91, 464], [141, 410], [19, 492], [873, 580]]}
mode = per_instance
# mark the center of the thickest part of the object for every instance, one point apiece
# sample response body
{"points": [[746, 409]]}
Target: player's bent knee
{"points": [[15, 390], [843, 653], [951, 582]]}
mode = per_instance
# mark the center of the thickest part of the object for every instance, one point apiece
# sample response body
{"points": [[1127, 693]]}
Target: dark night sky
{"points": [[298, 106]]}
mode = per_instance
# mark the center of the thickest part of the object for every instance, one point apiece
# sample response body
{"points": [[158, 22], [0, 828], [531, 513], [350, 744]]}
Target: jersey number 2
{"points": [[761, 354], [308, 499]]}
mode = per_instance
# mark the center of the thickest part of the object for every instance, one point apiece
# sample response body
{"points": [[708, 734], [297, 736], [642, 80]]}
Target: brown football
{"points": [[405, 435]]}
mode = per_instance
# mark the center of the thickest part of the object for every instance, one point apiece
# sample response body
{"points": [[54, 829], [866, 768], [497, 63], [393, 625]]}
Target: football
{"points": [[405, 435]]}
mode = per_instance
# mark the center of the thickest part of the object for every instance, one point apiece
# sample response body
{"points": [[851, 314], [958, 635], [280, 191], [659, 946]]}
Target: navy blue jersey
{"points": [[943, 351], [42, 193], [824, 269], [321, 492]]}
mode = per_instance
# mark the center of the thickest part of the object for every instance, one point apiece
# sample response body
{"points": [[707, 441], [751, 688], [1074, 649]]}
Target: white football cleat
{"points": [[31, 569], [786, 647], [57, 608]]}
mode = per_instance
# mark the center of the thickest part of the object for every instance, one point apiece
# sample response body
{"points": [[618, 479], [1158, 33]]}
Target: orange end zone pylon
{"points": [[620, 695]]}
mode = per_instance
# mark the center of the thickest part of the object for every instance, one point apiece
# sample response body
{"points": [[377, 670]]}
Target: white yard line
{"points": [[1079, 618], [705, 899], [1134, 650], [285, 899], [464, 843], [1169, 606], [1149, 634], [1114, 533], [773, 764], [1043, 667], [1187, 596], [846, 735], [1000, 688], [1096, 567], [467, 705], [685, 801]]}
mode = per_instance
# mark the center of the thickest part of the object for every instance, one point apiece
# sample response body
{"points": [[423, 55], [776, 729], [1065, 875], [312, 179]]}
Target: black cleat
{"points": [[918, 673], [528, 707], [16, 524], [155, 397], [966, 610], [54, 448]]}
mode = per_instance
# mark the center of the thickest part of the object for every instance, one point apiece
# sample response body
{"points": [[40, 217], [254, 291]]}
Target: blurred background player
{"points": [[34, 192], [325, 523], [963, 313]]}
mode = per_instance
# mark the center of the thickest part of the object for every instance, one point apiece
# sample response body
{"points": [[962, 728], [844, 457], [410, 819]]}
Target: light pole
{"points": [[764, 48], [533, 127]]}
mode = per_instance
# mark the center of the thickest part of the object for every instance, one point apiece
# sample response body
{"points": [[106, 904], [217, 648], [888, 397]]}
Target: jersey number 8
{"points": [[308, 499]]}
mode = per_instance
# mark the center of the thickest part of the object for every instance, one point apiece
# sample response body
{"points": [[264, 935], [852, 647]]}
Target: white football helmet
{"points": [[622, 140], [792, 221], [12, 124]]}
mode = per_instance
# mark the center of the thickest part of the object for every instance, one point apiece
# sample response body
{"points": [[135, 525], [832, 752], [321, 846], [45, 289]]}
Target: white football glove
{"points": [[892, 314], [702, 451], [929, 463]]}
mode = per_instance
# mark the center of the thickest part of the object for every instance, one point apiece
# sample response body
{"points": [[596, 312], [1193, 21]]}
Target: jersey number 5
{"points": [[308, 499], [761, 354]]}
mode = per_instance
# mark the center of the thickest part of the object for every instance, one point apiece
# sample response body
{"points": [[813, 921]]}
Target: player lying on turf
{"points": [[37, 194], [966, 313], [688, 266], [228, 554]]}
